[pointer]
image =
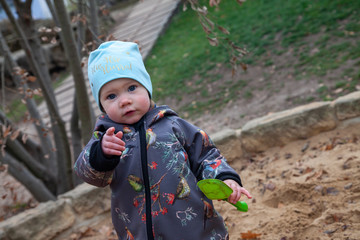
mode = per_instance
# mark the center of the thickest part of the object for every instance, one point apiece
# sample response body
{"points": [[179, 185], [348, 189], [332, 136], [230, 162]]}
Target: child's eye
{"points": [[132, 88], [111, 96]]}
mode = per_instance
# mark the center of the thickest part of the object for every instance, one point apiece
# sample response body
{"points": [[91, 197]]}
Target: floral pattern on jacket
{"points": [[161, 200]]}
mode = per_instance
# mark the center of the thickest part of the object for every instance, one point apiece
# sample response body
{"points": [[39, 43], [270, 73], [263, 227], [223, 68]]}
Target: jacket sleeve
{"points": [[205, 159], [87, 165]]}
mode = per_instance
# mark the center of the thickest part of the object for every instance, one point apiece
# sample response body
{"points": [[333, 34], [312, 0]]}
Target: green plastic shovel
{"points": [[216, 189]]}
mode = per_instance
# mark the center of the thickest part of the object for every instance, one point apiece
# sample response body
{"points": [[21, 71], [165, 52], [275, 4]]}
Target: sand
{"points": [[308, 189]]}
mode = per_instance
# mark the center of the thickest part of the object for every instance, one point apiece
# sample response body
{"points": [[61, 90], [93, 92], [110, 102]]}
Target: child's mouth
{"points": [[129, 113]]}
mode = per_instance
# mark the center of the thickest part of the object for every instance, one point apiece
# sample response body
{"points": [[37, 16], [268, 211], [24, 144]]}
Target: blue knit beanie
{"points": [[113, 60]]}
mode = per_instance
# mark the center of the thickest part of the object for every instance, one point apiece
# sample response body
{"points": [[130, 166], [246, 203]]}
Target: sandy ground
{"points": [[308, 189]]}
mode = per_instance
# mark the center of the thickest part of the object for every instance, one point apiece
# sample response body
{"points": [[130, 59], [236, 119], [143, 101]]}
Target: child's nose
{"points": [[124, 101]]}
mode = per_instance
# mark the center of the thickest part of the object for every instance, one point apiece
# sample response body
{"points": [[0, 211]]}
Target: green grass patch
{"points": [[260, 26], [18, 109]]}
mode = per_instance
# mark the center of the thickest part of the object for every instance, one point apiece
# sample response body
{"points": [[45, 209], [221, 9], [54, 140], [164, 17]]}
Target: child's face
{"points": [[124, 100]]}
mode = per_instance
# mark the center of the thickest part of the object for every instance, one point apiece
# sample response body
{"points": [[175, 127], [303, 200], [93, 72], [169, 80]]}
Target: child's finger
{"points": [[119, 134], [234, 197], [112, 148], [110, 131], [116, 147], [119, 141], [113, 152], [247, 194]]}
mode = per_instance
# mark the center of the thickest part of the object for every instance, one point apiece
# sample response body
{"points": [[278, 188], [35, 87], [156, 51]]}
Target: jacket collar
{"points": [[157, 113]]}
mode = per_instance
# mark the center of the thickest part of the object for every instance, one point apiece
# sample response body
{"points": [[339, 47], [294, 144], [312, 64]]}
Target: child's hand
{"points": [[111, 143], [237, 191]]}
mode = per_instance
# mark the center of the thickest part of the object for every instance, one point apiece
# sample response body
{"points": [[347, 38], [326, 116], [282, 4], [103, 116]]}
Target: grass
{"points": [[262, 27]]}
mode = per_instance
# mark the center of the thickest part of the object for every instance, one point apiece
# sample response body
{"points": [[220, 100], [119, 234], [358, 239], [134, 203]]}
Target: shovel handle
{"points": [[240, 205]]}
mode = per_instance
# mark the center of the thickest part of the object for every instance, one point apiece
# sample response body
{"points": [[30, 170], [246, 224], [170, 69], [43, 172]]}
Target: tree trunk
{"points": [[76, 136], [53, 12], [71, 51], [81, 27], [74, 123], [22, 174], [94, 20]]}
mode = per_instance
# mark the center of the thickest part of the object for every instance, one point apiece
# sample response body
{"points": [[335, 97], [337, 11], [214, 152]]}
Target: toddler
{"points": [[150, 157]]}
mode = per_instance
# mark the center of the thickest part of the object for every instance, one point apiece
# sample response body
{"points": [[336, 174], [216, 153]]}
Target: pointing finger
{"points": [[247, 194]]}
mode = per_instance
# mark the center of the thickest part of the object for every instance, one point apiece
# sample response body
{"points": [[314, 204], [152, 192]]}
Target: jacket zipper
{"points": [[145, 173]]}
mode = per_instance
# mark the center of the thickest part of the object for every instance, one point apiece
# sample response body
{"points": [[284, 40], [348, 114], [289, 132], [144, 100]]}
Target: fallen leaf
{"points": [[308, 170], [331, 145], [250, 235], [336, 218]]}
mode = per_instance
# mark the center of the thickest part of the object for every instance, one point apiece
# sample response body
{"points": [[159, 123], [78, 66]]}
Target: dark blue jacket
{"points": [[153, 183]]}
